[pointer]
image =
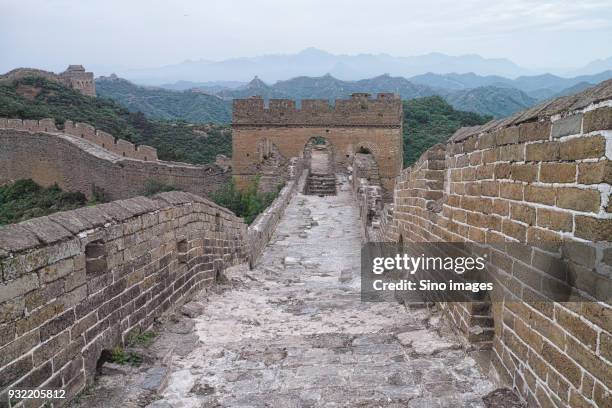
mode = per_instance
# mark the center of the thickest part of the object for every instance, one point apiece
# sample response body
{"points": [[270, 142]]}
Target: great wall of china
{"points": [[80, 282], [80, 158], [74, 77]]}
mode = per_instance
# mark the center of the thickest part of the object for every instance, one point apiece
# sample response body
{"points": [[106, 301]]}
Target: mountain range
{"points": [[315, 62], [494, 96]]}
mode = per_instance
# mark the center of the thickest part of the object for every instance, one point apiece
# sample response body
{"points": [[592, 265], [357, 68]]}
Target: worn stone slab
{"points": [[569, 125], [138, 205], [72, 221], [115, 212], [14, 238], [93, 215], [46, 230], [155, 379]]}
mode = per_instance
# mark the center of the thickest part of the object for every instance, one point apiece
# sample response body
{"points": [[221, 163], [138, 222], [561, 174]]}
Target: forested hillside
{"points": [[194, 107], [432, 120], [37, 98]]}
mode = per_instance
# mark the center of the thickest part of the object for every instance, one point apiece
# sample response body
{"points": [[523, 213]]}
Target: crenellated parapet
{"points": [[85, 131], [360, 110], [74, 77]]}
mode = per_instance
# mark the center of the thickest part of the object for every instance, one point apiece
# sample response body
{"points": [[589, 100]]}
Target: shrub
{"points": [[247, 203], [153, 187], [25, 199]]}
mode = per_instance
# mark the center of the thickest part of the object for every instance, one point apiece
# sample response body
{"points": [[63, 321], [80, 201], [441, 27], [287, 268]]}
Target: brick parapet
{"points": [[75, 77], [360, 110], [79, 282], [87, 167], [87, 132], [541, 179]]}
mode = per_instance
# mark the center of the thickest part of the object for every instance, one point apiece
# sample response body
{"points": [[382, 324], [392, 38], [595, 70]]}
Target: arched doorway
{"points": [[319, 160], [319, 156]]}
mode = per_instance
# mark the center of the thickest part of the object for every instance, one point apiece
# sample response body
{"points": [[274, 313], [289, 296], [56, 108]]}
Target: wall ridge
{"points": [[85, 167], [120, 147], [532, 191]]}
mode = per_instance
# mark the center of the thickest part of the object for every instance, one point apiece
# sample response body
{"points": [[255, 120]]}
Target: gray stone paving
{"points": [[293, 332]]}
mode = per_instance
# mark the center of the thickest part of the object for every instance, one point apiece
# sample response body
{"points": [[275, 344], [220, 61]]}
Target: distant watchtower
{"points": [[350, 126], [77, 78]]}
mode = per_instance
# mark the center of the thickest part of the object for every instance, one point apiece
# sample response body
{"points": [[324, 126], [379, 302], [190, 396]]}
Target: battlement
{"points": [[360, 110], [87, 132], [74, 77]]}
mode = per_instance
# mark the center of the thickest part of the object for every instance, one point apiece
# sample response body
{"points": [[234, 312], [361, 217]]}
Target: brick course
{"points": [[550, 186], [58, 314]]}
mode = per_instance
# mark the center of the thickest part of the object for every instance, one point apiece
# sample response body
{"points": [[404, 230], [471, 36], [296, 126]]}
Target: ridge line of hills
{"points": [[494, 96]]}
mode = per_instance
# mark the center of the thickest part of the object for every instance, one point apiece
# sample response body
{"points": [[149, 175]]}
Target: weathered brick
{"points": [[592, 147], [598, 119], [562, 363], [542, 195], [575, 326], [593, 229], [529, 132], [512, 153], [12, 309], [514, 230], [601, 396], [523, 213], [509, 135], [18, 287], [579, 199], [547, 151], [524, 172], [14, 371], [512, 191], [605, 345], [570, 125], [595, 173], [556, 220], [19, 347], [557, 173], [38, 317], [592, 363], [56, 325]]}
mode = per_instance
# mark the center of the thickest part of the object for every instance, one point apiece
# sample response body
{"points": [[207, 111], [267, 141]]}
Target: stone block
{"points": [[598, 119], [14, 238], [46, 230], [57, 325], [579, 199], [11, 373], [592, 147], [570, 125], [18, 287]]}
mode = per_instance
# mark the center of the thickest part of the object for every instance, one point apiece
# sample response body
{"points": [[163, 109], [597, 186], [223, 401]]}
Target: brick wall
{"points": [[533, 193], [375, 124], [79, 282], [87, 132], [263, 227], [74, 77], [77, 164]]}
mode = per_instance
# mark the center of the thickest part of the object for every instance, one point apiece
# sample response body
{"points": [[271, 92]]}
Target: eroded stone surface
{"points": [[294, 333]]}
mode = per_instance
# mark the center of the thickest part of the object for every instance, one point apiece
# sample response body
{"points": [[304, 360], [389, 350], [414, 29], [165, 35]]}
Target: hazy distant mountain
{"points": [[314, 62], [328, 87], [491, 100], [209, 86], [595, 66], [537, 86], [164, 104]]}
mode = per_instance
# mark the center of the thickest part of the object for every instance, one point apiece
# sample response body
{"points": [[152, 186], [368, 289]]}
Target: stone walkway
{"points": [[293, 333]]}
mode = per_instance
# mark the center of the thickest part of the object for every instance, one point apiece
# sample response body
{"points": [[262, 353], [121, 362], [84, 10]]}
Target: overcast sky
{"points": [[137, 33]]}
